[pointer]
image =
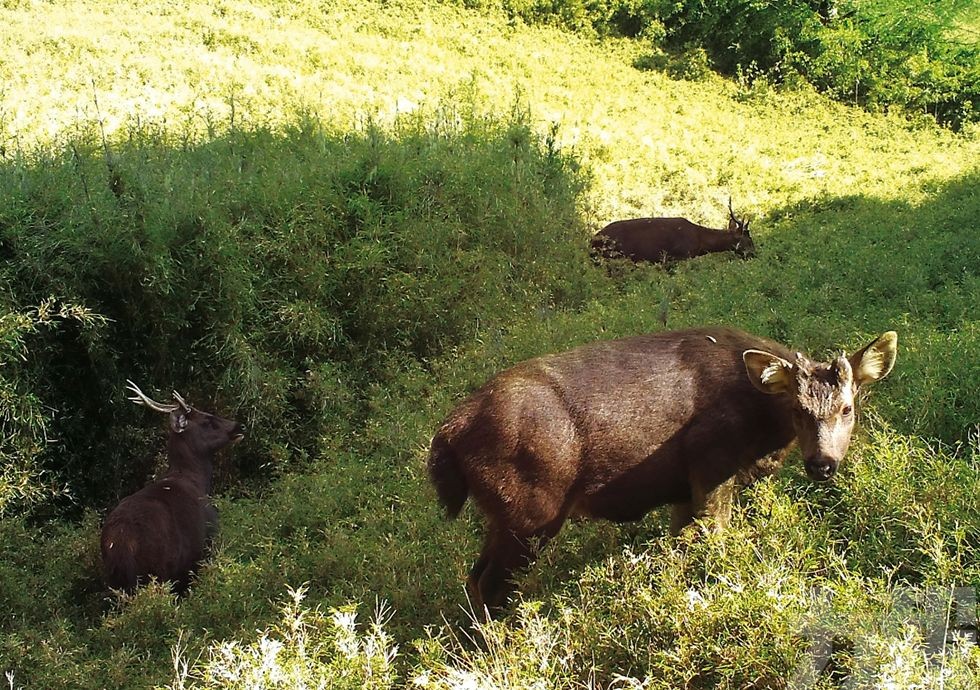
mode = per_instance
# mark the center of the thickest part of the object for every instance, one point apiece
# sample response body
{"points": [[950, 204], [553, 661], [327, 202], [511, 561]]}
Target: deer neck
{"points": [[718, 240], [190, 464]]}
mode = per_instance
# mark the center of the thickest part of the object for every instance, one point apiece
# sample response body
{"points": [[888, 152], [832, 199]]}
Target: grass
{"points": [[354, 214]]}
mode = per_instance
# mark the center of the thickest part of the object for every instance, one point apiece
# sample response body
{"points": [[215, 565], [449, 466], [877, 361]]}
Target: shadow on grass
{"points": [[272, 276], [312, 280], [840, 270]]}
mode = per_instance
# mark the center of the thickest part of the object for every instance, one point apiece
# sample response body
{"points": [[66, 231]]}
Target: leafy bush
{"points": [[280, 272], [23, 419], [593, 18], [740, 611], [305, 649], [691, 65]]}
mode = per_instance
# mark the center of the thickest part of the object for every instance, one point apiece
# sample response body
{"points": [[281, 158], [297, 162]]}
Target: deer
{"points": [[613, 429], [664, 239], [164, 530]]}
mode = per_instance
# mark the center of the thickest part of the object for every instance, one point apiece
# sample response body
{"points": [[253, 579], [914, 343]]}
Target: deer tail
{"points": [[447, 476]]}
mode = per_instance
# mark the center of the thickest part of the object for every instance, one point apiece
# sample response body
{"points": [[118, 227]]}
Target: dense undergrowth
{"points": [[338, 274], [284, 271]]}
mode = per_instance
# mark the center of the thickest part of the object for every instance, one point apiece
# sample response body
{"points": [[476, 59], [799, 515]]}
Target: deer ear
{"points": [[875, 360], [768, 372], [178, 422]]}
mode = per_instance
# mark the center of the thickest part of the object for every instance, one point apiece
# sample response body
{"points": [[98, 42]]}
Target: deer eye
{"points": [[847, 411]]}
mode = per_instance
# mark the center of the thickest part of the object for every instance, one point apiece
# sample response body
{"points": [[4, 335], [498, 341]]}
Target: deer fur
{"points": [[164, 529], [614, 429]]}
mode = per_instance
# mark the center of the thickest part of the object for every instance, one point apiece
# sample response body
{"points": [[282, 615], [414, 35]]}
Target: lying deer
{"points": [[662, 239]]}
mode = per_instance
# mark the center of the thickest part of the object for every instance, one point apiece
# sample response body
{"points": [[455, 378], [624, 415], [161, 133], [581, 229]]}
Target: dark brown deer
{"points": [[164, 529], [663, 239], [613, 429]]}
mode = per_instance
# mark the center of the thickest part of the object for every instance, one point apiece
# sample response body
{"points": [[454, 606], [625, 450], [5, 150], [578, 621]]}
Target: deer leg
{"points": [[713, 504], [681, 515], [476, 572], [487, 584], [762, 468], [494, 584], [490, 582]]}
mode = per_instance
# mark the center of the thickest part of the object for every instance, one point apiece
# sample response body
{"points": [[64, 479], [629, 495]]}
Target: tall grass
{"points": [[285, 271], [304, 649], [304, 217]]}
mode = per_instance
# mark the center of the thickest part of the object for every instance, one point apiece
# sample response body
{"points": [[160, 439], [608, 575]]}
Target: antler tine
{"points": [[731, 213], [141, 398], [183, 403]]}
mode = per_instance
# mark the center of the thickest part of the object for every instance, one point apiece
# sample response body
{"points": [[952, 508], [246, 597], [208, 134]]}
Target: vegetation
{"points": [[286, 292], [332, 220], [23, 420], [921, 57]]}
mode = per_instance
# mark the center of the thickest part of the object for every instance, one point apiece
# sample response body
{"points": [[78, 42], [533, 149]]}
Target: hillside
{"points": [[259, 63], [333, 220]]}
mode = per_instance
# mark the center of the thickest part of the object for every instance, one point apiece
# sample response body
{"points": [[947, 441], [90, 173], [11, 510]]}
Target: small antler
{"points": [[140, 398], [731, 213]]}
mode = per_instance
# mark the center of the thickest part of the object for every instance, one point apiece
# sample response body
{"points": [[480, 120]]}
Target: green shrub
{"points": [[879, 55], [739, 611], [278, 273], [24, 421], [306, 648], [692, 65]]}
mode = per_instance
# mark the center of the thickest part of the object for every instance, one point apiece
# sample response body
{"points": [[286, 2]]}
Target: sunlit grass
{"points": [[352, 214], [655, 146]]}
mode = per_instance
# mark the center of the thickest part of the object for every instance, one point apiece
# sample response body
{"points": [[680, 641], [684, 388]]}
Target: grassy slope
{"points": [[859, 220], [641, 134]]}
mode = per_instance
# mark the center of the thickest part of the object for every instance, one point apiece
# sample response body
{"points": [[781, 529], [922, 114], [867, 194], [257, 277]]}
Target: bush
{"points": [[305, 649], [690, 65], [23, 419], [592, 18], [277, 273], [727, 612], [879, 55]]}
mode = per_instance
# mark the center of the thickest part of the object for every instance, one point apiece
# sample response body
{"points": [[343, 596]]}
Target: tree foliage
{"points": [[879, 54]]}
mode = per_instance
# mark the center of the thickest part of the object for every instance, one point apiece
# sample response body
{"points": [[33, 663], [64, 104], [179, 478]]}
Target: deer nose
{"points": [[821, 469]]}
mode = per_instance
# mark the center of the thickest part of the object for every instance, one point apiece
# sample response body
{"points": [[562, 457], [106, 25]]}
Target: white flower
{"points": [[695, 600]]}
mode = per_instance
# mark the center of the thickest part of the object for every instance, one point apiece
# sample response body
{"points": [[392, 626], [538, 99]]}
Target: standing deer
{"points": [[661, 239], [164, 529], [613, 429]]}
